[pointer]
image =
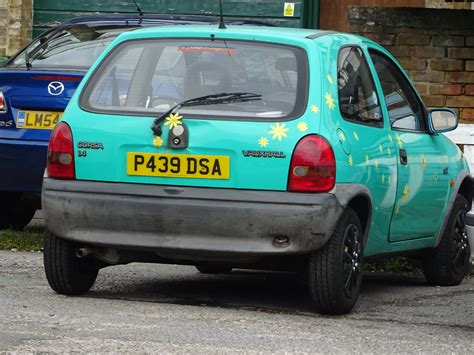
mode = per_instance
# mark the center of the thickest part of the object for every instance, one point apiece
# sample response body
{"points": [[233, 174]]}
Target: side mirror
{"points": [[442, 120]]}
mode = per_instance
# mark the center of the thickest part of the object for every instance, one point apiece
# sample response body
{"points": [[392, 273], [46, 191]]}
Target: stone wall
{"points": [[435, 46], [15, 25]]}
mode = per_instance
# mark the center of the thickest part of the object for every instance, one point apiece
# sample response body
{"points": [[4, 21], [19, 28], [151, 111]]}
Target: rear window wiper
{"points": [[215, 99]]}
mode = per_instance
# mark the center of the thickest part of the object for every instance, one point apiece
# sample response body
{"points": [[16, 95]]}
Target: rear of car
{"points": [[232, 161]]}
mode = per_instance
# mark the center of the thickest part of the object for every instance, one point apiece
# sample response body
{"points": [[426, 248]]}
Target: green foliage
{"points": [[31, 239], [394, 265]]}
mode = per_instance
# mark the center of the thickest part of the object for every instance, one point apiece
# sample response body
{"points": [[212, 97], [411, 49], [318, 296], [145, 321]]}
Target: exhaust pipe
{"points": [[83, 252], [109, 256]]}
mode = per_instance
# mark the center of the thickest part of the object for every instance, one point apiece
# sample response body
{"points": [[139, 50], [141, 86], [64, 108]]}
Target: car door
{"points": [[364, 136], [422, 168]]}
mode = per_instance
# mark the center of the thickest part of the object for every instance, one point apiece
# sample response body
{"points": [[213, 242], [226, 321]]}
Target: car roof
{"points": [[231, 29], [270, 32]]}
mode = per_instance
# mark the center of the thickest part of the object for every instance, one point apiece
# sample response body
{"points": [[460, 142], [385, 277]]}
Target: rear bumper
{"points": [[22, 165], [188, 222]]}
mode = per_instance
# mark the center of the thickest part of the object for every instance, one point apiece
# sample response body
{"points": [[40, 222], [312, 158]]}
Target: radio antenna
{"points": [[139, 9], [221, 22]]}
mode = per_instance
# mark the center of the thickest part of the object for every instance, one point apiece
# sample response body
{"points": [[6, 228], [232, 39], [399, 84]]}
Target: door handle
{"points": [[403, 157]]}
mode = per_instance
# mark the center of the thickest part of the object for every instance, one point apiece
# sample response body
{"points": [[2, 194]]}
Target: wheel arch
{"points": [[359, 198], [464, 186], [362, 206]]}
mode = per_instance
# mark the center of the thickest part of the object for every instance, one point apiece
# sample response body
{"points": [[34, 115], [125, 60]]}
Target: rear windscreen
{"points": [[150, 76], [74, 47]]}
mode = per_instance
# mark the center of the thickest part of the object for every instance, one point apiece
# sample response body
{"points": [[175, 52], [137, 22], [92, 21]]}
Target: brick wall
{"points": [[435, 46], [15, 25]]}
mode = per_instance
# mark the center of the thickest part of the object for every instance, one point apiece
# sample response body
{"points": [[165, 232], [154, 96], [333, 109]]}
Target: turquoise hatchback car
{"points": [[251, 147]]}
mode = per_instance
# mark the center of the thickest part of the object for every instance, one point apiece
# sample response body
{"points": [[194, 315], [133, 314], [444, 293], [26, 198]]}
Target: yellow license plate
{"points": [[37, 119], [178, 165]]}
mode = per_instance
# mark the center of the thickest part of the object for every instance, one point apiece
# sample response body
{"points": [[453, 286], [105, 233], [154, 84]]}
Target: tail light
{"points": [[313, 166], [3, 103], [61, 153]]}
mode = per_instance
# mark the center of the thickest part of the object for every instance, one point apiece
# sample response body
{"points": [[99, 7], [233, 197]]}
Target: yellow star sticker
{"points": [[329, 77], [390, 138], [376, 163], [341, 136], [173, 120], [350, 160], [329, 100], [399, 141], [406, 192], [356, 136], [158, 141], [314, 109], [380, 148], [302, 126], [389, 152], [383, 179], [367, 159], [278, 131], [263, 142], [423, 162]]}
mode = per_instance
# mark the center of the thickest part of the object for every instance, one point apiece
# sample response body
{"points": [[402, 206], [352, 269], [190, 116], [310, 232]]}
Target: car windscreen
{"points": [[148, 77], [73, 47]]}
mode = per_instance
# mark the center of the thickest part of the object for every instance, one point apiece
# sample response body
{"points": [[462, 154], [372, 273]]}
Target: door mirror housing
{"points": [[442, 120]]}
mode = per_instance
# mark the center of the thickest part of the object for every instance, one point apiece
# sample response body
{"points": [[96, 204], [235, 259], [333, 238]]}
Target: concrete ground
{"points": [[159, 308]]}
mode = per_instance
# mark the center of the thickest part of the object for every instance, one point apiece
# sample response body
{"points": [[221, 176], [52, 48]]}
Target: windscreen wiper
{"points": [[215, 99], [42, 45]]}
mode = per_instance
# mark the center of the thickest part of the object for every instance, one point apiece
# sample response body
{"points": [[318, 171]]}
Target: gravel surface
{"points": [[174, 309]]}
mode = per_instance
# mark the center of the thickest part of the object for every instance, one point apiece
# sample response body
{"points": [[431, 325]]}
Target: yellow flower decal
{"points": [[314, 109], [423, 161], [356, 136], [278, 131], [390, 138], [376, 163], [341, 136], [383, 179], [158, 141], [406, 192], [380, 148], [389, 152], [302, 126], [350, 160], [173, 120], [399, 141], [263, 142], [329, 77], [329, 100], [367, 159]]}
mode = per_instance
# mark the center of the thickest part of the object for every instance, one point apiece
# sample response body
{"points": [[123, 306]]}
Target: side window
{"points": [[358, 99], [404, 108]]}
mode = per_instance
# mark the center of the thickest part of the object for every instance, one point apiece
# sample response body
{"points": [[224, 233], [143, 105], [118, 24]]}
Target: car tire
{"points": [[335, 271], [66, 273], [449, 262], [211, 269], [15, 213]]}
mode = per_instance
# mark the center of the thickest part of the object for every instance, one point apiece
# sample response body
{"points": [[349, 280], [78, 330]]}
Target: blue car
{"points": [[35, 87]]}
